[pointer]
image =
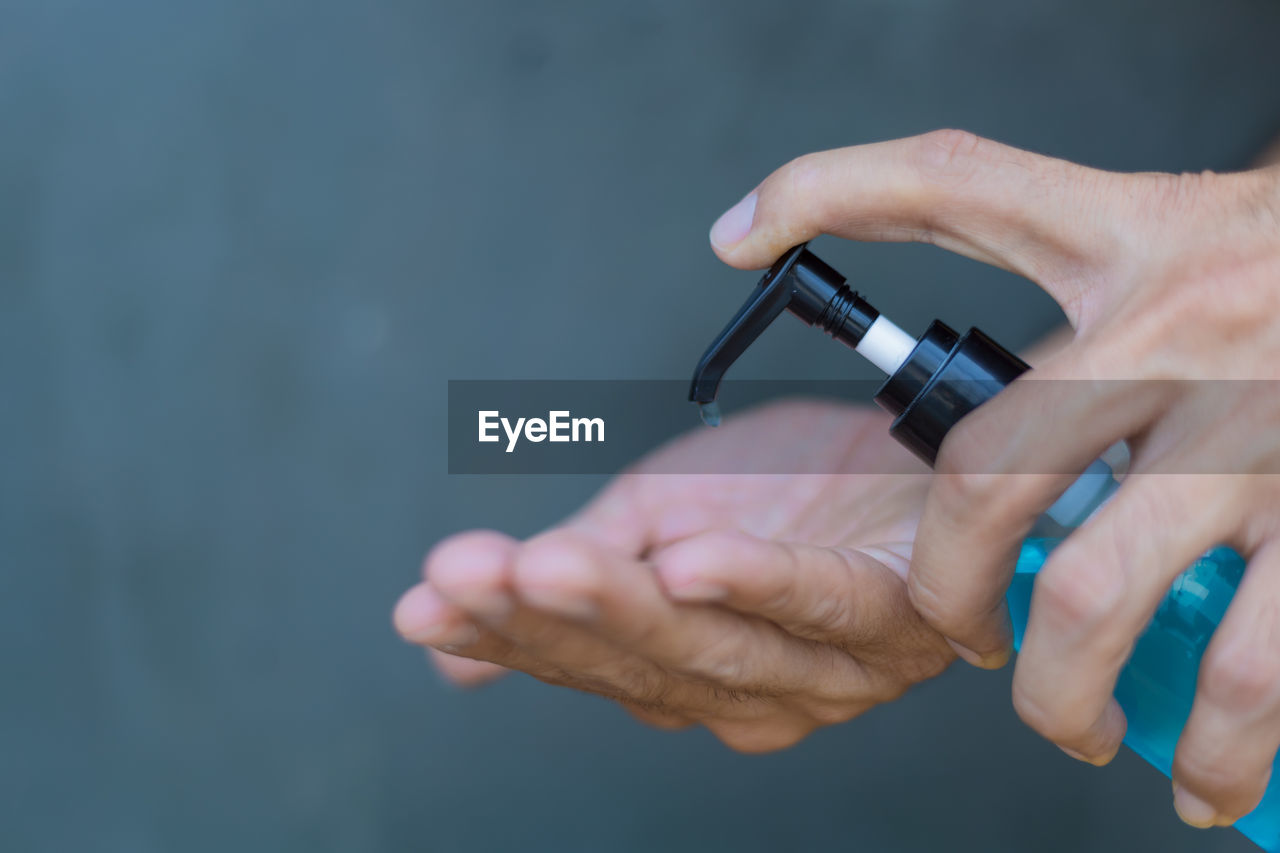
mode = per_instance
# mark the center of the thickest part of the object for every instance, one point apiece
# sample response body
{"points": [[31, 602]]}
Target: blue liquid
{"points": [[1157, 686]]}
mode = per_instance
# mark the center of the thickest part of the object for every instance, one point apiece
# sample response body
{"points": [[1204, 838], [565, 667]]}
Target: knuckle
{"points": [[963, 488], [960, 613], [949, 156], [966, 452], [933, 604], [802, 177], [972, 474], [1240, 676], [559, 557], [1084, 593], [830, 616], [822, 615], [800, 195], [1156, 330], [718, 662], [646, 687], [780, 598], [1237, 313]]}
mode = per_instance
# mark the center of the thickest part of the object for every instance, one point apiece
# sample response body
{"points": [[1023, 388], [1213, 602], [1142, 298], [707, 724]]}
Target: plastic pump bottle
{"points": [[932, 383]]}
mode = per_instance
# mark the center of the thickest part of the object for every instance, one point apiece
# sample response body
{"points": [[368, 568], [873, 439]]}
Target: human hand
{"points": [[762, 606], [1164, 277]]}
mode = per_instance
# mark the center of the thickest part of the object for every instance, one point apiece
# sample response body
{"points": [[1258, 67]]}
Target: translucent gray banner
{"points": [[534, 427]]}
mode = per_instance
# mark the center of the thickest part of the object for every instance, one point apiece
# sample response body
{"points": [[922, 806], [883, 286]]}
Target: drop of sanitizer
{"points": [[710, 413]]}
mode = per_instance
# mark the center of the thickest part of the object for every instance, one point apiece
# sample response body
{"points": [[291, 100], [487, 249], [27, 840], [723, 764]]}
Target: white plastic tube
{"points": [[885, 345]]}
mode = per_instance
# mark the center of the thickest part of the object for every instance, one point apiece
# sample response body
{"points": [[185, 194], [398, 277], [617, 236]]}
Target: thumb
{"points": [[1052, 221]]}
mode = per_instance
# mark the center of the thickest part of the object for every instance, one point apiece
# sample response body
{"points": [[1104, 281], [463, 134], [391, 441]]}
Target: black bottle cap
{"points": [[943, 379], [931, 351]]}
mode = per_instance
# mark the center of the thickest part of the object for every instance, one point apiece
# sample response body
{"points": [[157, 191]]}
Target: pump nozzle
{"points": [[801, 283], [932, 384]]}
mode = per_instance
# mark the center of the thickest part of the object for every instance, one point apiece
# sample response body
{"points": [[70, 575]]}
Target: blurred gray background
{"points": [[244, 244]]}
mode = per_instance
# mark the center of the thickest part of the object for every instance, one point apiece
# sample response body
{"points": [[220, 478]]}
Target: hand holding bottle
{"points": [[1170, 282]]}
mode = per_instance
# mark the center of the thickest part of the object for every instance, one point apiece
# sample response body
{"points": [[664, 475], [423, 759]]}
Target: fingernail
{"points": [[698, 589], [734, 223], [1193, 810], [992, 660], [1078, 756], [417, 613], [422, 617], [1096, 761]]}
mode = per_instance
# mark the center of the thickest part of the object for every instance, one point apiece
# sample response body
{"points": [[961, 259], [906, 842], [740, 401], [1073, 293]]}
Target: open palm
{"points": [[760, 605]]}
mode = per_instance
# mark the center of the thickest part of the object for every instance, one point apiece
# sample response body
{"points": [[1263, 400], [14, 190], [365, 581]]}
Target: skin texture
{"points": [[761, 606], [1172, 283]]}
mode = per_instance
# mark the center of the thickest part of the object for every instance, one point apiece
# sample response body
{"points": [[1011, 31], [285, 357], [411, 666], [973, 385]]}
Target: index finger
{"points": [[1047, 219]]}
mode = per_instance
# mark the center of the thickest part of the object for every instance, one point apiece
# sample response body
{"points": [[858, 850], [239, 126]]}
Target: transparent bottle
{"points": [[1158, 685]]}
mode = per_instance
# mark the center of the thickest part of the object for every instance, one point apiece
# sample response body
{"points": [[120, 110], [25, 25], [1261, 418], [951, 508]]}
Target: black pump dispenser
{"points": [[943, 378], [801, 283]]}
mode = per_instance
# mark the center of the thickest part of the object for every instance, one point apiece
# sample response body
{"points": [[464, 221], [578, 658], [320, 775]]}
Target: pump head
{"points": [[933, 382], [798, 282]]}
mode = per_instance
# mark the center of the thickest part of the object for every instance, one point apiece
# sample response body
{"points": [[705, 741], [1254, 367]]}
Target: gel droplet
{"points": [[710, 413]]}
